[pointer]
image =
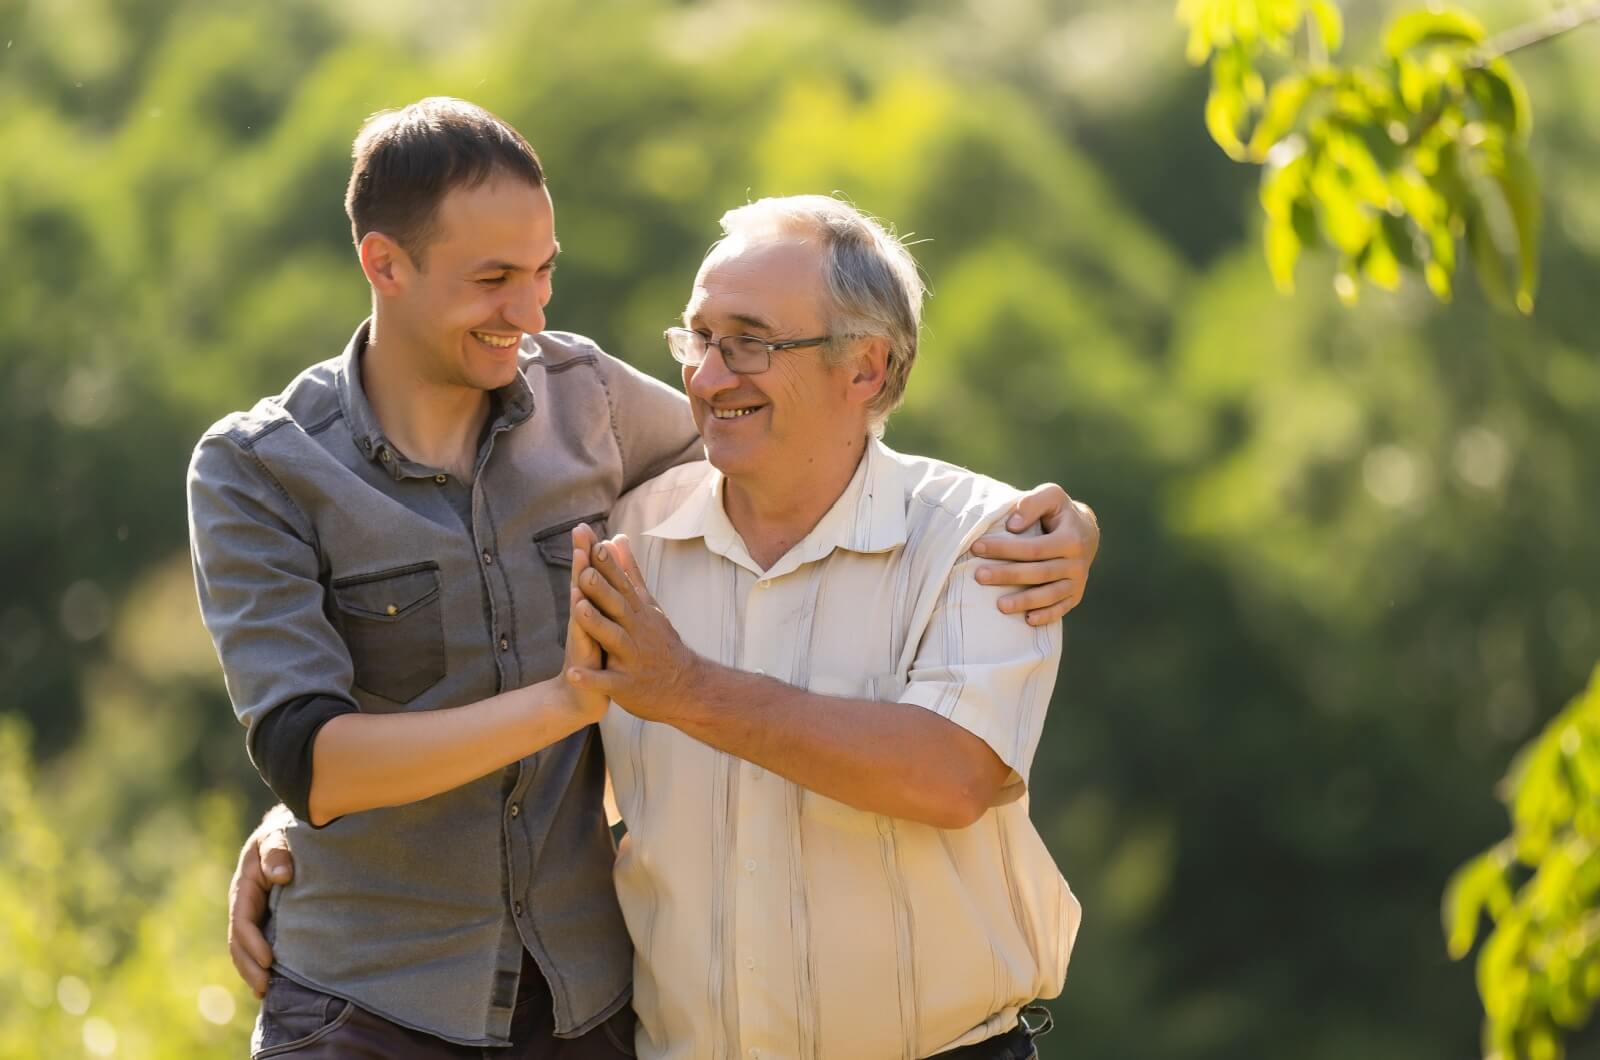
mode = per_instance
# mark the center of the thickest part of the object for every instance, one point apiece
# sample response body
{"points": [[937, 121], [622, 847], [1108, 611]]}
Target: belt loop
{"points": [[1035, 1030]]}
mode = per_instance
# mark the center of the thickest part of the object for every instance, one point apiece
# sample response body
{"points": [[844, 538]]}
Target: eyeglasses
{"points": [[743, 354]]}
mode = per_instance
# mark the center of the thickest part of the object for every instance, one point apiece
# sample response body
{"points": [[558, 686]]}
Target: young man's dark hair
{"points": [[407, 160]]}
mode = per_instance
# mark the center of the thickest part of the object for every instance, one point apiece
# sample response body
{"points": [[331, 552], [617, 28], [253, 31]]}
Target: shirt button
{"points": [[505, 644], [391, 610], [488, 558], [441, 479], [750, 963], [383, 454], [750, 866], [515, 809], [516, 908], [762, 584]]}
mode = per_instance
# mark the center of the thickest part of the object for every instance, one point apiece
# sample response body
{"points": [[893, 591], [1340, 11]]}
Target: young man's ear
{"points": [[385, 262]]}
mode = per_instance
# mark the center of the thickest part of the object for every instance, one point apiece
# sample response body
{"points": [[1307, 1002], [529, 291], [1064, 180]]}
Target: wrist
{"points": [[560, 699], [691, 690]]}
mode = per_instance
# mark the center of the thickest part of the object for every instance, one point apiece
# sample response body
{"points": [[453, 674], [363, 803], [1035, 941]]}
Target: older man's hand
{"points": [[264, 863], [1055, 565], [648, 668]]}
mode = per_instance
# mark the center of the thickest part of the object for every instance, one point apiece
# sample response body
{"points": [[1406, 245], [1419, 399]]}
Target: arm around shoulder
{"points": [[651, 421]]}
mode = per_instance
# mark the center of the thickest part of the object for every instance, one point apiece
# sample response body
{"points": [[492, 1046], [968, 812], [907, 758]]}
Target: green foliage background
{"points": [[1349, 561]]}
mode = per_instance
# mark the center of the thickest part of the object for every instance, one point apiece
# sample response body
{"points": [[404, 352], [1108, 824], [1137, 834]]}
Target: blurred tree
{"points": [[1348, 553], [1390, 165]]}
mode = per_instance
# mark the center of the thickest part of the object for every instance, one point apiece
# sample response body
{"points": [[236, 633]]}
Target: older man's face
{"points": [[795, 410]]}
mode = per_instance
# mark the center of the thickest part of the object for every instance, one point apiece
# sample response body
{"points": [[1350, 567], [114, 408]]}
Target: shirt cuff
{"points": [[280, 746]]}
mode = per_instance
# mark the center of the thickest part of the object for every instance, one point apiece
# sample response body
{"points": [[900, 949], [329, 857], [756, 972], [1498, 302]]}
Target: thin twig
{"points": [[1553, 25]]}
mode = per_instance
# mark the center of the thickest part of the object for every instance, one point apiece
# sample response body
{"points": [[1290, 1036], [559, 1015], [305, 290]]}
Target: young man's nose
{"points": [[527, 314]]}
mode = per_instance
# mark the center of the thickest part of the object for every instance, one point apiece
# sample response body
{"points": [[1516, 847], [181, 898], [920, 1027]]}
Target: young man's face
{"points": [[774, 420], [483, 283]]}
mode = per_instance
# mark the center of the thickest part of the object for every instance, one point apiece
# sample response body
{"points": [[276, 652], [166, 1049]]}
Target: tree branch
{"points": [[1538, 31]]}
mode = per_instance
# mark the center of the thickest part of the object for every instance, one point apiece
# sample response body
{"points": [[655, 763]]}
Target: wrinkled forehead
{"points": [[776, 279]]}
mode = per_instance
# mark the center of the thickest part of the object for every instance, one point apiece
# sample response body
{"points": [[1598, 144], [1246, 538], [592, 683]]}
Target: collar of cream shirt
{"points": [[869, 516]]}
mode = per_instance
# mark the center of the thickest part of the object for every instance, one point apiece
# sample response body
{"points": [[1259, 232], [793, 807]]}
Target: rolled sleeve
{"points": [[989, 672], [256, 574], [651, 421]]}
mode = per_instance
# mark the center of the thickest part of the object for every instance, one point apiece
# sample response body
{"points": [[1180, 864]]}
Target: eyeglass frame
{"points": [[706, 343]]}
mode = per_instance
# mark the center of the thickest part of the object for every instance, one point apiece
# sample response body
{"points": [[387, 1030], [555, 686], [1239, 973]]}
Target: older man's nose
{"points": [[711, 376]]}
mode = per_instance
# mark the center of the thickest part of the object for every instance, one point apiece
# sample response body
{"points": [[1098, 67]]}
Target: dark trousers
{"points": [[299, 1023]]}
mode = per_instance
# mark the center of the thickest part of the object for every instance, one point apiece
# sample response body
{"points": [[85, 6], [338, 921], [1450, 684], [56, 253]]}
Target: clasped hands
{"points": [[620, 644]]}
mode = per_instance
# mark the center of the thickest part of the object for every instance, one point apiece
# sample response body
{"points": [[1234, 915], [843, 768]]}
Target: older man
{"points": [[382, 559], [823, 725]]}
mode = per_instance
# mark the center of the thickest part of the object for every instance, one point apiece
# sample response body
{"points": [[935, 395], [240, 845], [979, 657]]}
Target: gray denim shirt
{"points": [[329, 564]]}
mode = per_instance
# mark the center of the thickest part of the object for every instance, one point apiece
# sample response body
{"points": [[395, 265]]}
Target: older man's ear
{"points": [[871, 358]]}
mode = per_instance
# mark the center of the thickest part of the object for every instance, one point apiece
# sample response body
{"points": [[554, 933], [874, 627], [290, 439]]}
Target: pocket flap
{"points": [[555, 543], [387, 595]]}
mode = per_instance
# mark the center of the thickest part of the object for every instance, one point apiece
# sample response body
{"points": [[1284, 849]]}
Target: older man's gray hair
{"points": [[873, 287]]}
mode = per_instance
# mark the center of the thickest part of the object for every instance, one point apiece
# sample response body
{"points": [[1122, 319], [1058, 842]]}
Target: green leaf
{"points": [[1194, 14], [1416, 88], [1330, 23], [1283, 251], [1283, 177], [1228, 104], [1378, 260], [1347, 225], [1501, 98], [1416, 28], [1464, 899], [1490, 267], [1284, 102], [1225, 111], [1360, 170], [1519, 183]]}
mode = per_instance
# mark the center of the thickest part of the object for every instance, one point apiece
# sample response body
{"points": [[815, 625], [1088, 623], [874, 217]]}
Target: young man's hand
{"points": [[583, 651], [1055, 565], [648, 668], [264, 863]]}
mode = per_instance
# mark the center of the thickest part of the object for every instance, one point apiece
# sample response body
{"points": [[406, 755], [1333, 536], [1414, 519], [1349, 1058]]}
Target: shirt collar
{"points": [[513, 403], [869, 516]]}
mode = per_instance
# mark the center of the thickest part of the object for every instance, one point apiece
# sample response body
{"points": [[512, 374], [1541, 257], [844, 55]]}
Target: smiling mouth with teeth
{"points": [[733, 414], [502, 342]]}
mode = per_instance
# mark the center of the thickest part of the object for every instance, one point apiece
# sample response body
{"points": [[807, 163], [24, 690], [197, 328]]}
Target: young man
{"points": [[382, 555]]}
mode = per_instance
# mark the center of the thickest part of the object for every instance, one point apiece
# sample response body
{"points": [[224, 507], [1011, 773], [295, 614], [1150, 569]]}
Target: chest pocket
{"points": [[392, 624], [555, 549]]}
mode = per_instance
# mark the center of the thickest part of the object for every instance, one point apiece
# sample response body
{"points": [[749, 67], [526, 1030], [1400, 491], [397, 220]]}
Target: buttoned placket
{"points": [[507, 663], [507, 668], [761, 864]]}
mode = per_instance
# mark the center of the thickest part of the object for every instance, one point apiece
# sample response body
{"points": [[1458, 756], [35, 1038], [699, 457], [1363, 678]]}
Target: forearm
{"points": [[364, 761], [896, 759]]}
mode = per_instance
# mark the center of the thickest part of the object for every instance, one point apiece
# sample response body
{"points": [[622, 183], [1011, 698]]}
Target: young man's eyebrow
{"points": [[493, 265]]}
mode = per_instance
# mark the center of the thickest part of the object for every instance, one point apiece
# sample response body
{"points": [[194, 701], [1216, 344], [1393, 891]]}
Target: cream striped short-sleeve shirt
{"points": [[769, 921]]}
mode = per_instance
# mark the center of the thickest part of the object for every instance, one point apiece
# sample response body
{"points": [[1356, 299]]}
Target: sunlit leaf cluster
{"points": [[1392, 164], [1539, 966]]}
